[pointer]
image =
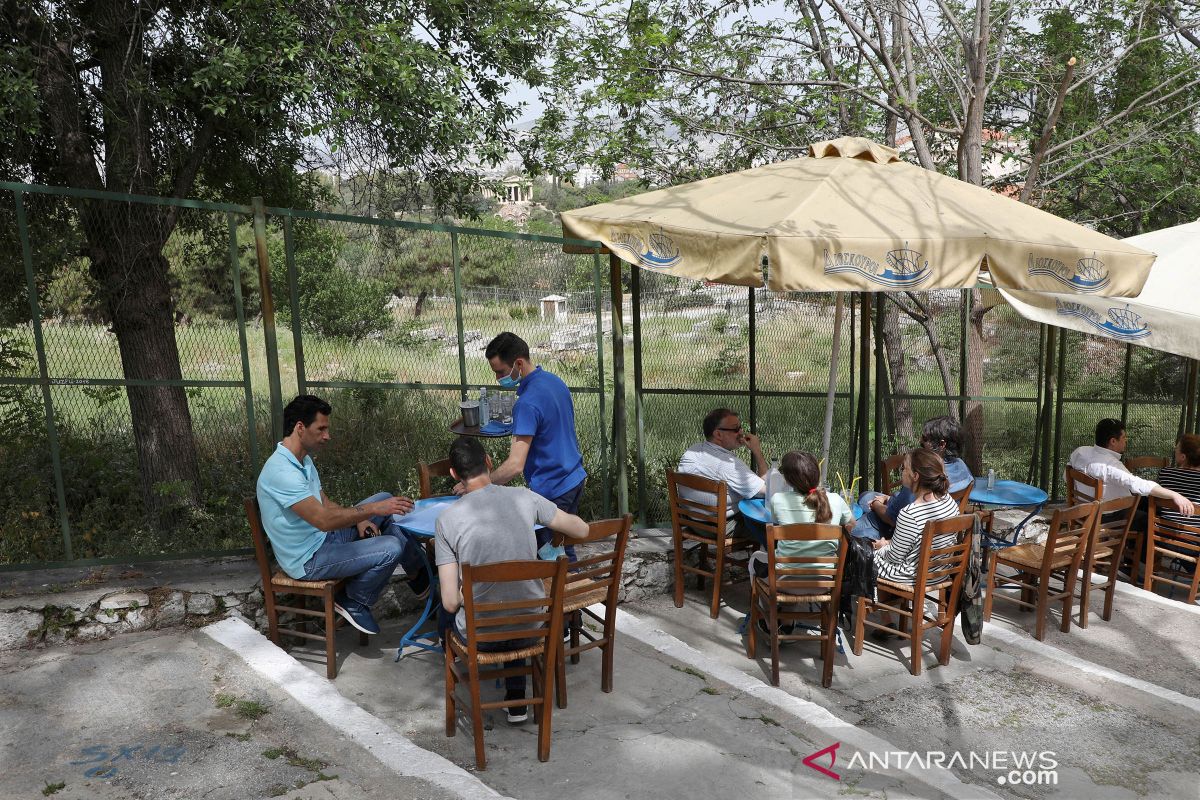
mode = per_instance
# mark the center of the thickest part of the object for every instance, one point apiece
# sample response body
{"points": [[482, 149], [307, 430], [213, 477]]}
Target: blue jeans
{"points": [[568, 501], [367, 563], [869, 525]]}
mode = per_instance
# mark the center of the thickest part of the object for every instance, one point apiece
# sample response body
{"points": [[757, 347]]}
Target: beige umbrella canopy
{"points": [[854, 217]]}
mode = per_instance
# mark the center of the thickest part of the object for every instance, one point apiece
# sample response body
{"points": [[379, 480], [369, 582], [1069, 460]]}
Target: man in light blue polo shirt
{"points": [[544, 448], [316, 539]]}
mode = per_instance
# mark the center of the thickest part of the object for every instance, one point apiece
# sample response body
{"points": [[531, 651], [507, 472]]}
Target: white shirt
{"points": [[712, 461], [1105, 465]]}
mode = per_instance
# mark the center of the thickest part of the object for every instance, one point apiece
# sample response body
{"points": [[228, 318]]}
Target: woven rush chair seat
{"points": [[498, 656], [589, 597], [281, 579], [1033, 555], [793, 595], [908, 587]]}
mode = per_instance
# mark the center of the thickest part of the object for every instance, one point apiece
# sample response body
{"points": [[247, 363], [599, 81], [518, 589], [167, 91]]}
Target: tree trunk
{"points": [[419, 306], [893, 343], [127, 262], [973, 425]]}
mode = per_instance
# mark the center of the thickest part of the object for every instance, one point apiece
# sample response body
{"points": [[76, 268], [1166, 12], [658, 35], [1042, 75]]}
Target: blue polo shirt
{"points": [[283, 482], [544, 411]]}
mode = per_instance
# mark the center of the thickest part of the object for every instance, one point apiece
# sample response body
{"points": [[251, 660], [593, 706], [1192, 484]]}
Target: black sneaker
{"points": [[516, 714], [420, 584]]}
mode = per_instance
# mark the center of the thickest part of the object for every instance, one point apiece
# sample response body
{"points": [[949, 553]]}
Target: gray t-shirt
{"points": [[493, 524]]}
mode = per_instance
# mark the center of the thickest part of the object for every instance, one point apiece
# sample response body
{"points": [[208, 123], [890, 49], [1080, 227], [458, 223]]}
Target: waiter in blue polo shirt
{"points": [[544, 445]]}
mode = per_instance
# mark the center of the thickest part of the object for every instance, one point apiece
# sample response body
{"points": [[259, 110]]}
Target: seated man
{"points": [[315, 539], [492, 523], [1103, 462], [880, 512], [714, 458]]}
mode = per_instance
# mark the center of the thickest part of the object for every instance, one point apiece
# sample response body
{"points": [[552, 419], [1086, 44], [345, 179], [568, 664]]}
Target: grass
{"points": [[53, 788], [296, 760], [690, 671], [246, 709]]}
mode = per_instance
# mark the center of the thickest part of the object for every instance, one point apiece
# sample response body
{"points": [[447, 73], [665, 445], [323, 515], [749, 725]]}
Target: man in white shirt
{"points": [[1103, 461], [714, 458]]}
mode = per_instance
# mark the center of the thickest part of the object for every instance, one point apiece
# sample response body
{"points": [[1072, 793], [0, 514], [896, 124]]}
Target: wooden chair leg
{"points": [[272, 615], [1068, 602], [606, 650], [702, 562], [989, 588], [914, 639], [544, 728], [718, 574], [1085, 595], [1109, 592], [476, 717], [860, 612], [1041, 609], [330, 635], [678, 570], [773, 632], [828, 646], [560, 685], [576, 626], [451, 728], [1148, 566]]}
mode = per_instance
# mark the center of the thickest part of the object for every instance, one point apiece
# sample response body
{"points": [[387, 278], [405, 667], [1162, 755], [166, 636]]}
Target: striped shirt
{"points": [[1187, 483], [897, 561]]}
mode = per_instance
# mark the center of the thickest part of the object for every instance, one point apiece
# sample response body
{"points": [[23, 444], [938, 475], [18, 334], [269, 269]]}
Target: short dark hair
{"points": [[1107, 430], [508, 346], [943, 429], [713, 420], [304, 408], [467, 458]]}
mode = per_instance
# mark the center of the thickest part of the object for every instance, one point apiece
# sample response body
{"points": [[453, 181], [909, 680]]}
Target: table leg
{"points": [[412, 637]]}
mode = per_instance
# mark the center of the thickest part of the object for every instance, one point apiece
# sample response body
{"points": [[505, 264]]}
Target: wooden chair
{"points": [[1082, 488], [1104, 552], [963, 498], [427, 472], [705, 524], [538, 620], [794, 582], [1134, 463], [1036, 565], [938, 580], [889, 473], [1174, 541], [595, 579], [278, 583]]}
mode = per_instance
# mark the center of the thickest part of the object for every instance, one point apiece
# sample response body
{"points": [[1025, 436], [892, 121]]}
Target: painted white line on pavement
{"points": [[1024, 641], [320, 697], [808, 712]]}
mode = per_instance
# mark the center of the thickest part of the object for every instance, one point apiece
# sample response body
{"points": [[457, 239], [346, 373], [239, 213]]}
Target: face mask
{"points": [[508, 382]]}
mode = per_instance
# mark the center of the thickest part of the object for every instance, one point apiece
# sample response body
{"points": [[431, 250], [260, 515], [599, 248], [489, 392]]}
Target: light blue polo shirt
{"points": [[544, 411], [283, 482]]}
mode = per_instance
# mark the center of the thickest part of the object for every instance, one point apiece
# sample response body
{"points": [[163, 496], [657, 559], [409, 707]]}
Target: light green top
{"points": [[789, 507]]}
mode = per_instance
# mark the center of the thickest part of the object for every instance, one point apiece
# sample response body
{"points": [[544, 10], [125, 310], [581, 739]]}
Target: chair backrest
{"points": [[1114, 533], [1070, 530], [1182, 537], [1145, 463], [945, 548], [963, 496], [426, 473], [262, 553], [598, 569], [509, 620], [1082, 488], [687, 512], [807, 572], [889, 473]]}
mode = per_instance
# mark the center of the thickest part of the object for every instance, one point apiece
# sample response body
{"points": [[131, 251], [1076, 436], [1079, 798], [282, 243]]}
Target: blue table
{"points": [[1009, 494], [418, 525]]}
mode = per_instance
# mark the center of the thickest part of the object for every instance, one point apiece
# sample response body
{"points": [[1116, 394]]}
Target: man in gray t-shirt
{"points": [[488, 524]]}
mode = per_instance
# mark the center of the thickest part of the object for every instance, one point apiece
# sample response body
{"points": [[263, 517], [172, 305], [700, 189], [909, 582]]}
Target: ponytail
{"points": [[803, 474], [931, 471]]}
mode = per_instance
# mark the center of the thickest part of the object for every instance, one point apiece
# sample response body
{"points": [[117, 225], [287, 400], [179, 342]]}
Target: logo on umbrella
{"points": [[1121, 323], [1089, 274], [660, 254], [905, 268]]}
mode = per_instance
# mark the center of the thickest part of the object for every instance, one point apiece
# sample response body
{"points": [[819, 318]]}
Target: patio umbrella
{"points": [[854, 217], [1163, 316]]}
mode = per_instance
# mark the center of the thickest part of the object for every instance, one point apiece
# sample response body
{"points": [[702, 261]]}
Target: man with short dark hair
{"points": [[545, 448], [714, 458], [491, 523], [316, 539], [1103, 462]]}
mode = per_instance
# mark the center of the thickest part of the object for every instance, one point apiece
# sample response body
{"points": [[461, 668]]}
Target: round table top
{"points": [[1007, 493], [421, 520], [755, 509]]}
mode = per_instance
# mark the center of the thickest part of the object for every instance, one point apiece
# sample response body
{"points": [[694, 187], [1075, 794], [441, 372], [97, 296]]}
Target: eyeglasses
{"points": [[738, 429]]}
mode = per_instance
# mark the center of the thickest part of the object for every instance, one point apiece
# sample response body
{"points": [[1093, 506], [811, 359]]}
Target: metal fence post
{"points": [[598, 296], [268, 315], [1046, 452], [635, 289], [752, 384], [235, 271], [618, 328], [864, 391], [1125, 383], [1058, 412], [964, 318], [35, 318], [456, 268], [880, 386]]}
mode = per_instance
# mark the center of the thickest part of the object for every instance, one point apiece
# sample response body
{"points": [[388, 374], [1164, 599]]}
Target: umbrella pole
{"points": [[618, 335], [864, 389], [827, 431]]}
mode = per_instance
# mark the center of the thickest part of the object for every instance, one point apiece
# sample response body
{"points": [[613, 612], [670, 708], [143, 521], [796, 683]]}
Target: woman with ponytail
{"points": [[925, 475]]}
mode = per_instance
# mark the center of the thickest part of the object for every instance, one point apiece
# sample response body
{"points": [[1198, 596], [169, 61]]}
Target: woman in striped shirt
{"points": [[1184, 477], [924, 474]]}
